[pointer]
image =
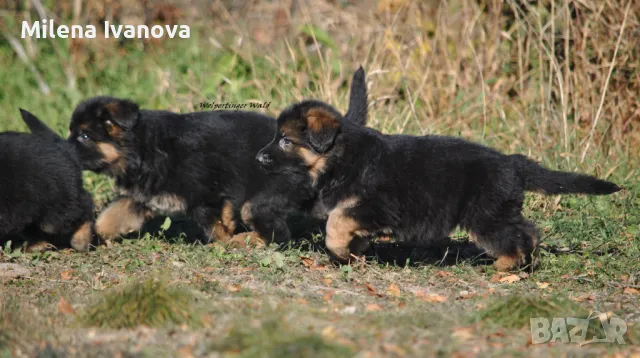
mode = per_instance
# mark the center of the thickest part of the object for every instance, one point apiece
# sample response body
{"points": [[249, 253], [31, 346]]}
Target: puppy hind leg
{"points": [[513, 243], [268, 221]]}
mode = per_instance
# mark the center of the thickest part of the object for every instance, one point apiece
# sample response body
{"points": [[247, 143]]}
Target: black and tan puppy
{"points": [[202, 164], [41, 187], [415, 188]]}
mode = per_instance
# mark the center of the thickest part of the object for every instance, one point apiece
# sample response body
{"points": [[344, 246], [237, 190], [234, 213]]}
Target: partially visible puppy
{"points": [[290, 190], [41, 187], [197, 164], [416, 189]]}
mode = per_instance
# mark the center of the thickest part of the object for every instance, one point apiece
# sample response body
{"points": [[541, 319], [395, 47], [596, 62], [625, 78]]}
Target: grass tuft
{"points": [[515, 311], [275, 338], [151, 303]]}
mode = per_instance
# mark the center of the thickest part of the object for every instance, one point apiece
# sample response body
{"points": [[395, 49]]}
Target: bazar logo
{"points": [[543, 331]]}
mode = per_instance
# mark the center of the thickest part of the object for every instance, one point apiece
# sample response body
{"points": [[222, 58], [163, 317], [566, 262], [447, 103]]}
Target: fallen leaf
{"points": [[631, 291], [319, 267], [431, 297], [465, 295], [393, 290], [186, 352], [64, 307], [443, 274], [542, 285], [462, 333], [66, 275], [329, 332], [370, 288], [372, 307], [585, 297], [307, 261], [328, 296], [510, 279], [392, 348]]}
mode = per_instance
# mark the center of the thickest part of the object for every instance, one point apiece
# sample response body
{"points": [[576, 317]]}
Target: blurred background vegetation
{"points": [[556, 80]]}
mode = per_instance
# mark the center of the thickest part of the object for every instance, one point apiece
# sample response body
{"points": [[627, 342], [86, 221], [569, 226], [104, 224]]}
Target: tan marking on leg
{"points": [[40, 246], [82, 238], [247, 239], [120, 217], [509, 263], [315, 163], [223, 229], [246, 214], [341, 229]]}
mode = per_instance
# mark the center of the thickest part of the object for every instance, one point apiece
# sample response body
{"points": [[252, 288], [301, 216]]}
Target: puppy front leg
{"points": [[341, 229], [268, 219], [82, 238], [121, 217], [218, 223]]}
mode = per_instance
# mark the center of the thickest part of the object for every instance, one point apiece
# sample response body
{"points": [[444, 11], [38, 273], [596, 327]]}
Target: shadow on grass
{"points": [[309, 233]]}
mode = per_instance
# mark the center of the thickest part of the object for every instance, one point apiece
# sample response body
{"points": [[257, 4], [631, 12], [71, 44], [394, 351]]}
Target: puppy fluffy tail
{"points": [[38, 128], [550, 182], [357, 112]]}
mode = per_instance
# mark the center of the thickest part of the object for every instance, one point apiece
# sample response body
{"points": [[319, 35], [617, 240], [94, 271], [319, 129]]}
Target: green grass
{"points": [[516, 310], [152, 303], [274, 338]]}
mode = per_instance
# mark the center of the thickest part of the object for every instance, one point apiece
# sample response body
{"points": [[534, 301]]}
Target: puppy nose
{"points": [[263, 158]]}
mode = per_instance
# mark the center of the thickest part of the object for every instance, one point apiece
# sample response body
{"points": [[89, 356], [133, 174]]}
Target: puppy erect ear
{"points": [[323, 127], [357, 112], [123, 113]]}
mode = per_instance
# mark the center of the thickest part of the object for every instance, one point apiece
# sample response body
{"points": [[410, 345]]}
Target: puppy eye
{"points": [[83, 137], [285, 143]]}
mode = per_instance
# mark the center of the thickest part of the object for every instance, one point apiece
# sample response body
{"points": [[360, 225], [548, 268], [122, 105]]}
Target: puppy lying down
{"points": [[416, 188]]}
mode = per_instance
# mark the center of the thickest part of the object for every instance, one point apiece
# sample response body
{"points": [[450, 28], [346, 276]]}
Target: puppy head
{"points": [[305, 138], [100, 131]]}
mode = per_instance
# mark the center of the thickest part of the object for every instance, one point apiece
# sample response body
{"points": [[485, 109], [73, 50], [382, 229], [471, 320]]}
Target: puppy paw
{"points": [[83, 237], [246, 240]]}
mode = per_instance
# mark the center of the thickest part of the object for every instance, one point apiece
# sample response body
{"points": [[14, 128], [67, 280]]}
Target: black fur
{"points": [[418, 188], [203, 161], [41, 187]]}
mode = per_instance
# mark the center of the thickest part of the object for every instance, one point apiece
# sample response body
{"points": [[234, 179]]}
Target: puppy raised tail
{"points": [[550, 182], [357, 112], [38, 128]]}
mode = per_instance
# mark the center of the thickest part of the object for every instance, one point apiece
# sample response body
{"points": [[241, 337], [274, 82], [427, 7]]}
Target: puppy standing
{"points": [[41, 186], [202, 164], [417, 189]]}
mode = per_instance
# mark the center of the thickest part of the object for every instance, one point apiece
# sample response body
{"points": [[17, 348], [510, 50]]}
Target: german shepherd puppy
{"points": [[415, 188], [41, 187], [201, 164]]}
